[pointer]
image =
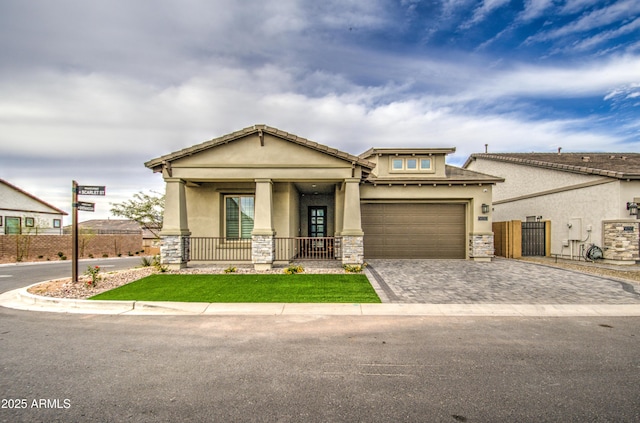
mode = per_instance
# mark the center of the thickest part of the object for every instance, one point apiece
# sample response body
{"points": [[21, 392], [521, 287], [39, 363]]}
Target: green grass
{"points": [[326, 288]]}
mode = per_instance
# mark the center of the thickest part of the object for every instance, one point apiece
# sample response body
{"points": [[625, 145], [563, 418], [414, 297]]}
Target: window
{"points": [[239, 214], [29, 222], [12, 226], [411, 164], [57, 223]]}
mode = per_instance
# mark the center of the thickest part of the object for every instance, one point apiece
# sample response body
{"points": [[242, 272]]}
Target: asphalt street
{"points": [[14, 276], [110, 368]]}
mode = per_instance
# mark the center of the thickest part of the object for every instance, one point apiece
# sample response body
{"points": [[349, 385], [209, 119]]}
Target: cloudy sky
{"points": [[90, 90]]}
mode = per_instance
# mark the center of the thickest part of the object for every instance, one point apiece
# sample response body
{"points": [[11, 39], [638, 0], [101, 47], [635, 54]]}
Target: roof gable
{"points": [[614, 165], [29, 202], [262, 134]]}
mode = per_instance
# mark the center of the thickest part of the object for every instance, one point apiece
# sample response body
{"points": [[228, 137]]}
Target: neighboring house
{"points": [[588, 197], [24, 213], [264, 195]]}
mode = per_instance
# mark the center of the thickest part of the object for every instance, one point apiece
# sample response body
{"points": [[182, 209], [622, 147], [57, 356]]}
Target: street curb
{"points": [[22, 300], [75, 305]]}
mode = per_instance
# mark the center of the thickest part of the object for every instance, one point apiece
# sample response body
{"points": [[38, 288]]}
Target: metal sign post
{"points": [[83, 206]]}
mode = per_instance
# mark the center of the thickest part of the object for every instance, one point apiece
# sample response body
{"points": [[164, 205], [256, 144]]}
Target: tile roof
{"points": [[455, 175], [614, 165]]}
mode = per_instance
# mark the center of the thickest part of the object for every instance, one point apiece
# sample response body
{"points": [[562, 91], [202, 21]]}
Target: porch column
{"points": [[352, 235], [262, 237], [174, 248]]}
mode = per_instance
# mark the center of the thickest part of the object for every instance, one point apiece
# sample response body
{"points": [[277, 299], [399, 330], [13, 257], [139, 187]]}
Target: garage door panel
{"points": [[412, 230]]}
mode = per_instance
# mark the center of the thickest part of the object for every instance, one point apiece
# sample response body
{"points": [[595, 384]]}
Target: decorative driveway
{"points": [[501, 281]]}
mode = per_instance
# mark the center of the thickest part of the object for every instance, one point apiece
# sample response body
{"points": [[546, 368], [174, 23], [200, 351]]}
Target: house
{"points": [[263, 195], [24, 213], [589, 198]]}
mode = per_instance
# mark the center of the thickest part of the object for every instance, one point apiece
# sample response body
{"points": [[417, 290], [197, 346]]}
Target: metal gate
{"points": [[533, 238]]}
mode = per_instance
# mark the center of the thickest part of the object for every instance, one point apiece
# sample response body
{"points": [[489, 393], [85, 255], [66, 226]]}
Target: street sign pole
{"points": [[74, 232], [84, 206]]}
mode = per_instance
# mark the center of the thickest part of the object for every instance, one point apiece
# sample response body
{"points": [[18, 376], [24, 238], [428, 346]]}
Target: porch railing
{"points": [[286, 249], [219, 249], [307, 248]]}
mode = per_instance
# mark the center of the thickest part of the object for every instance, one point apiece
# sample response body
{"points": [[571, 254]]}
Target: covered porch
{"points": [[264, 222]]}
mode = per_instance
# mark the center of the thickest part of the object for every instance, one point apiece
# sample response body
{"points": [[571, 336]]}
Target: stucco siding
{"points": [[523, 180], [590, 204]]}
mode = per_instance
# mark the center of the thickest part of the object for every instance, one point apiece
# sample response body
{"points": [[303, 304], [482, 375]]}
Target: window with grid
{"points": [[239, 216]]}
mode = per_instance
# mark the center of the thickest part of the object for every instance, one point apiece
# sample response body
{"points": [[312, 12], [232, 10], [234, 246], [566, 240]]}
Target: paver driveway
{"points": [[500, 281]]}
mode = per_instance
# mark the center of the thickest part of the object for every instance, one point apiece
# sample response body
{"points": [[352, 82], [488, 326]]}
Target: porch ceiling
{"points": [[315, 187]]}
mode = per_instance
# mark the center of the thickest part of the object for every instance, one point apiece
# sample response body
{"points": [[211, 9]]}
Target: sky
{"points": [[90, 90]]}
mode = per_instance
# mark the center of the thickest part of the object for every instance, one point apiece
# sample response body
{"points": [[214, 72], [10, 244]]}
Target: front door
{"points": [[317, 227], [317, 221]]}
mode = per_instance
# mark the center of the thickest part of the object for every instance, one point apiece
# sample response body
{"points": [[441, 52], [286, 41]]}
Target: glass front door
{"points": [[317, 221]]}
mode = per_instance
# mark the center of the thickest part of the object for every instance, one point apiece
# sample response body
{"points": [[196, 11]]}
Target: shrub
{"points": [[157, 263], [292, 270], [93, 273], [146, 262], [230, 269], [354, 268], [105, 255]]}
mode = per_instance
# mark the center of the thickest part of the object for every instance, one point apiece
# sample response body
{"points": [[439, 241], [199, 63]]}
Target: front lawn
{"points": [[271, 288]]}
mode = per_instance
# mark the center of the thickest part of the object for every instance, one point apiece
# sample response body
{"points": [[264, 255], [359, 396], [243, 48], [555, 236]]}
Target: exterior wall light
{"points": [[633, 209], [485, 209]]}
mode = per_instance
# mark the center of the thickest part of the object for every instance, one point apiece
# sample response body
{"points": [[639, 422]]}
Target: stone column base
{"points": [[263, 251], [481, 246], [620, 241], [352, 247], [174, 251]]}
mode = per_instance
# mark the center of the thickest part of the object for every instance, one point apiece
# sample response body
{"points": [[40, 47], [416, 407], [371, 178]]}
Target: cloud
{"points": [[534, 9], [606, 36], [618, 11], [483, 11]]}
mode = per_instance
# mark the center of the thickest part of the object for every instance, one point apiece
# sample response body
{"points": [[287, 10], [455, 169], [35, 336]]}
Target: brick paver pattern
{"points": [[500, 281]]}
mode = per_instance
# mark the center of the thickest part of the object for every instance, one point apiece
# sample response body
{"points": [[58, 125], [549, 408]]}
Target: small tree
{"points": [[146, 209]]}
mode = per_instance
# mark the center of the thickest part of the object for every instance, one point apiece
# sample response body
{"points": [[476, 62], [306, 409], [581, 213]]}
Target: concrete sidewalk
{"points": [[20, 299]]}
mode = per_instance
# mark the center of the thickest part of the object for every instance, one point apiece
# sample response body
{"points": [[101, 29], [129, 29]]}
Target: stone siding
{"points": [[174, 250], [620, 240], [481, 245], [352, 249], [263, 249]]}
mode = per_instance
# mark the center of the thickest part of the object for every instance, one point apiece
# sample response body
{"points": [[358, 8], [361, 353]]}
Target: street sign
{"points": [[82, 206], [91, 190]]}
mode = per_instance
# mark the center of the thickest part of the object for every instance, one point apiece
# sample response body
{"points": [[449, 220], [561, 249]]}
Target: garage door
{"points": [[411, 230]]}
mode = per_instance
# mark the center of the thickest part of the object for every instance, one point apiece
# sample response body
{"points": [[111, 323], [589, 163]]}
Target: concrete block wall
{"points": [[46, 247]]}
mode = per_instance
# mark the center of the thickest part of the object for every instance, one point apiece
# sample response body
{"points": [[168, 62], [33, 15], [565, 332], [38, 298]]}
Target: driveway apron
{"points": [[500, 281]]}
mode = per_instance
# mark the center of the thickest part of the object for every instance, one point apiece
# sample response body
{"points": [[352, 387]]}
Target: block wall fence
{"points": [[14, 248]]}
